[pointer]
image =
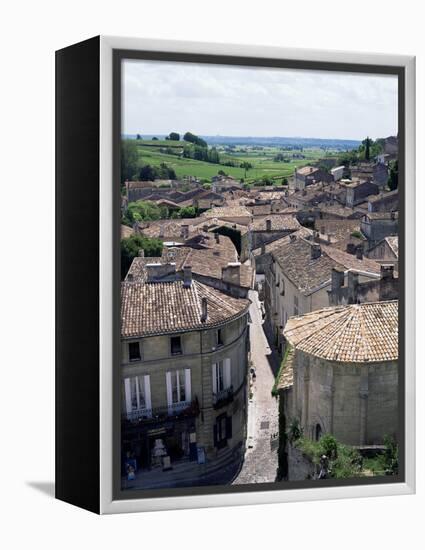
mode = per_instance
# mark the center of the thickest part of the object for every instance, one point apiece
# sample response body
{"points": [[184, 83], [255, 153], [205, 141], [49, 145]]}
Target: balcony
{"points": [[223, 397], [184, 409]]}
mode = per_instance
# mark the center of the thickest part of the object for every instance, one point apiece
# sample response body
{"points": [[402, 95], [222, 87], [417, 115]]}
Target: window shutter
{"points": [[169, 390], [214, 377], [187, 385], [227, 374], [148, 402], [215, 435], [127, 391], [228, 427]]}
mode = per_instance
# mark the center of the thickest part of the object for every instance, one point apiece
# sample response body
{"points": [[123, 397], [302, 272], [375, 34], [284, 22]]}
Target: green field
{"points": [[261, 160]]}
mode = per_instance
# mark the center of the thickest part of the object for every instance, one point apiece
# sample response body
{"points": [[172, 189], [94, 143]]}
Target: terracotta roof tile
{"points": [[357, 333], [161, 308]]}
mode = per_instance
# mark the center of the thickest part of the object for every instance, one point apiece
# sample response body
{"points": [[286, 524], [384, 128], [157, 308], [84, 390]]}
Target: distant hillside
{"points": [[277, 141]]}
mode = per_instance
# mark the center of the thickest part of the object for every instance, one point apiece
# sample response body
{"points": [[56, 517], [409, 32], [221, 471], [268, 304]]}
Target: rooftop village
{"points": [[318, 258]]}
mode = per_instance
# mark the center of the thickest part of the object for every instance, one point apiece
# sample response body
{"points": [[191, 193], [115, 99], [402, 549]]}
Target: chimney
{"points": [[187, 276], [217, 237], [351, 248], [387, 272], [359, 253], [316, 236], [322, 229], [232, 273], [204, 306], [316, 251], [185, 231], [161, 231], [337, 278], [292, 238], [141, 253], [353, 282], [263, 249], [268, 224]]}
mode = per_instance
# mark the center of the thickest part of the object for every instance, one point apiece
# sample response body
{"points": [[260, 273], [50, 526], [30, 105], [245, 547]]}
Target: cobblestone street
{"points": [[260, 462]]}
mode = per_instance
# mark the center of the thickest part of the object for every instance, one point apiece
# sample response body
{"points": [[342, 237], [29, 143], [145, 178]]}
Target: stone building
{"points": [[341, 373], [385, 252], [375, 226], [265, 229], [354, 292], [384, 202], [183, 372], [216, 265], [299, 276], [358, 191]]}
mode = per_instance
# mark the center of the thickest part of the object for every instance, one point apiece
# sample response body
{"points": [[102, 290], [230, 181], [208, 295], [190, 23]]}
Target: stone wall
{"points": [[357, 403]]}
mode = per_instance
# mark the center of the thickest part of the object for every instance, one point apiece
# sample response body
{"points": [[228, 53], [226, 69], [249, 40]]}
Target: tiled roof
{"points": [[350, 261], [393, 244], [207, 262], [307, 170], [309, 274], [126, 232], [339, 229], [357, 333], [383, 197], [227, 212], [279, 222], [285, 378], [163, 308], [381, 215], [168, 228], [275, 245], [338, 211]]}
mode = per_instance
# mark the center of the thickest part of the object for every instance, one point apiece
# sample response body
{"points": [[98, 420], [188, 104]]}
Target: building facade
{"points": [[342, 374], [184, 349]]}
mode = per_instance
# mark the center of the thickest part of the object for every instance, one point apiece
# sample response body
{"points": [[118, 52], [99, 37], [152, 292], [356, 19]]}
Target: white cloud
{"points": [[159, 97]]}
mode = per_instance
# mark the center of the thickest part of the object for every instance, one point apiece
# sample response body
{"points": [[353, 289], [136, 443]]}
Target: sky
{"points": [[160, 97]]}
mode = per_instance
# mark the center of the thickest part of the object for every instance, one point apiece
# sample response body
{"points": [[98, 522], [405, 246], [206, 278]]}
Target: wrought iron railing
{"points": [[223, 397], [183, 408]]}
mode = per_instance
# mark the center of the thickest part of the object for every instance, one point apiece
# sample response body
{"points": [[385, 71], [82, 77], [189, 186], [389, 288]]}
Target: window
{"points": [[176, 345], [222, 376], [318, 431], [282, 292], [137, 396], [178, 390], [220, 341], [134, 351], [222, 430], [295, 305]]}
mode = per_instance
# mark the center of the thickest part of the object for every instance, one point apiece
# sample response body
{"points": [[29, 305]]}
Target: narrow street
{"points": [[260, 462]]}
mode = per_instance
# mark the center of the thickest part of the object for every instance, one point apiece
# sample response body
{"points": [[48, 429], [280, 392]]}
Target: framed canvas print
{"points": [[235, 274]]}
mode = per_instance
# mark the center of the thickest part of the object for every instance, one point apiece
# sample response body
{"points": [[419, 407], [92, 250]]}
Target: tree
{"points": [[174, 136], [131, 246], [187, 212], [192, 138], [147, 173], [246, 166], [285, 181], [138, 136], [367, 149], [393, 176], [129, 159]]}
